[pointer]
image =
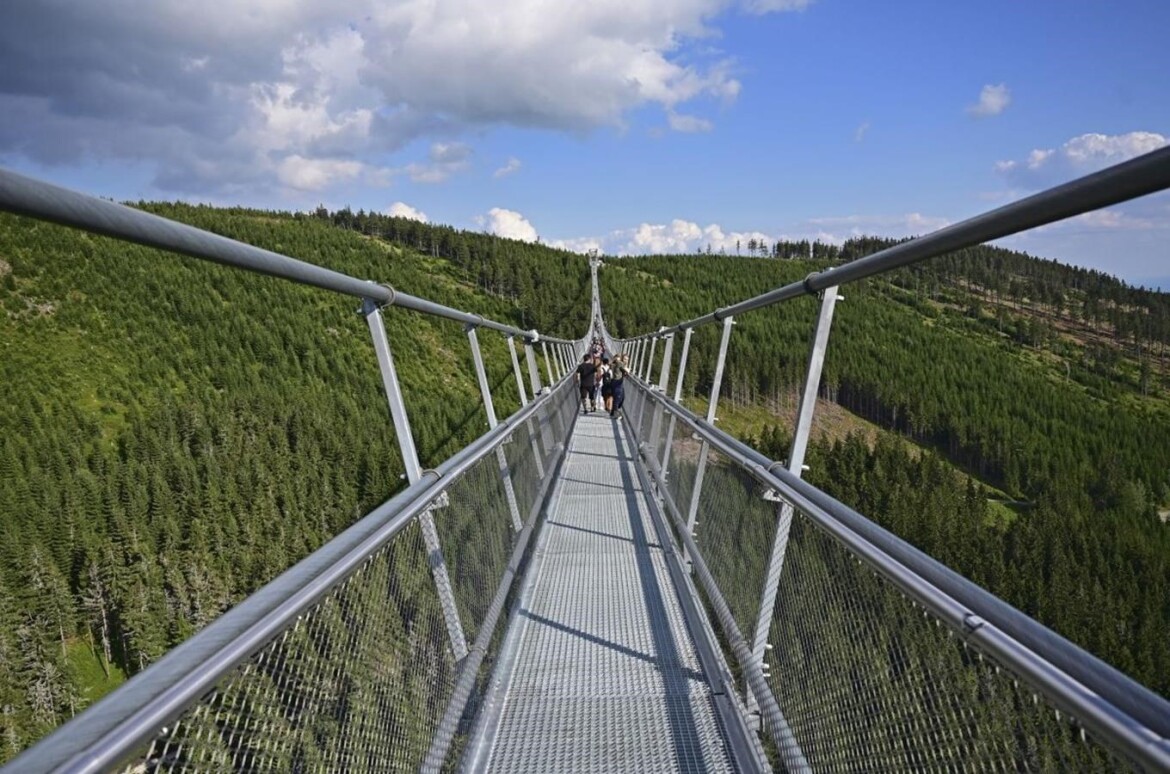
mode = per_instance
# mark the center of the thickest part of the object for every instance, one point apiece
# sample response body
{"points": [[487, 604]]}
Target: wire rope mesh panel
{"points": [[734, 529], [869, 681], [522, 464], [685, 449], [644, 415], [476, 534], [525, 443], [663, 426], [357, 683]]}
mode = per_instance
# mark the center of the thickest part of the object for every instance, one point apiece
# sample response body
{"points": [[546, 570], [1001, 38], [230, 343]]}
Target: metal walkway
{"points": [[599, 671]]}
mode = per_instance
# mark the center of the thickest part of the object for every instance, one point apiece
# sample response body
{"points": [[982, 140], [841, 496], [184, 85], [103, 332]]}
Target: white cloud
{"points": [[508, 223], [683, 123], [681, 236], [1044, 167], [513, 165], [403, 210], [896, 226], [993, 100], [445, 160], [315, 174], [860, 132], [222, 101], [768, 6]]}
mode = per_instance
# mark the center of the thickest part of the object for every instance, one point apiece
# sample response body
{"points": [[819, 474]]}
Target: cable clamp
{"points": [[807, 284]]}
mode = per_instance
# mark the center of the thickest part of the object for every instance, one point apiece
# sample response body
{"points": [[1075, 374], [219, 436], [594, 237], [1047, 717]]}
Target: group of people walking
{"points": [[602, 380]]}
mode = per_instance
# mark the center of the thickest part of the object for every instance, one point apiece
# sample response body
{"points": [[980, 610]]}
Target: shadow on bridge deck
{"points": [[599, 671]]}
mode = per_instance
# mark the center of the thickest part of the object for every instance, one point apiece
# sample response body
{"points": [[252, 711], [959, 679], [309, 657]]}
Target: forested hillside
{"points": [[173, 434], [1048, 383]]}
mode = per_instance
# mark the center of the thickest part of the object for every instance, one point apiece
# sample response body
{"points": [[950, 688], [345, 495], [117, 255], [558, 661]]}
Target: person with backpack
{"points": [[617, 376], [600, 382], [606, 384], [586, 381]]}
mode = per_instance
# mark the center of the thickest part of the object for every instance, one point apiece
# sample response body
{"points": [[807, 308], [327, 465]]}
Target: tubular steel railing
{"points": [[367, 654], [881, 657]]}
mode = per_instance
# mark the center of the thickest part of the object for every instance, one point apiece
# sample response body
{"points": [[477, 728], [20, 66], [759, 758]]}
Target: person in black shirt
{"points": [[586, 381]]}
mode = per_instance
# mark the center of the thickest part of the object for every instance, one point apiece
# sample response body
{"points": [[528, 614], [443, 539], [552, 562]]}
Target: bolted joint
{"points": [[370, 305], [808, 284]]}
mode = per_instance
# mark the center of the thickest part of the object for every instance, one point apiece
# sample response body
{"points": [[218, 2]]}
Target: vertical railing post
{"points": [[533, 369], [516, 371], [644, 375], [678, 387], [524, 402], [785, 512], [373, 315], [720, 361], [663, 377], [542, 417], [547, 363], [490, 407]]}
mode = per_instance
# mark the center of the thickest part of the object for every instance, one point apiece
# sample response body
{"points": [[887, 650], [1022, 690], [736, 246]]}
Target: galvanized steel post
{"points": [[516, 370], [547, 363], [808, 401], [533, 370], [501, 458], [663, 377], [534, 378], [678, 386], [536, 453], [373, 315], [650, 359], [693, 510]]}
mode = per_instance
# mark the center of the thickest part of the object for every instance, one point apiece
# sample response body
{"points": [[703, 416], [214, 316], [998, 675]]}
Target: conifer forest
{"points": [[175, 434]]}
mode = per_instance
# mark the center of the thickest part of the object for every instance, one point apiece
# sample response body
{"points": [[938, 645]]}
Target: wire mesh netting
{"points": [[869, 681], [357, 682], [734, 528], [361, 680], [866, 679]]}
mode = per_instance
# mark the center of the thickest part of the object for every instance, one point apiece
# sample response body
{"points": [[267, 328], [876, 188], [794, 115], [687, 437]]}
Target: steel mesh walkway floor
{"points": [[599, 672]]}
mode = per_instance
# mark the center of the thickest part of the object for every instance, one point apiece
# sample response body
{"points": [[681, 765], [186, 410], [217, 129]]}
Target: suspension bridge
{"points": [[584, 593]]}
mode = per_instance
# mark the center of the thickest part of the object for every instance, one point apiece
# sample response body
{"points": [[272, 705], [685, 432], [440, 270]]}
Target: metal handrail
{"points": [[1122, 182], [36, 199], [1106, 701], [127, 719]]}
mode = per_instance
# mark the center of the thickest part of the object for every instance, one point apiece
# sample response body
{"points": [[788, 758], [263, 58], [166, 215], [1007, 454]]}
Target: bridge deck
{"points": [[599, 671]]}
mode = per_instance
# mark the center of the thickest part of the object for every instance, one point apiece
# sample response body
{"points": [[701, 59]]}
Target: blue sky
{"points": [[631, 126]]}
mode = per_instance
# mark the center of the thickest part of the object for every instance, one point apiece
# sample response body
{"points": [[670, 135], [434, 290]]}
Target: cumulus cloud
{"points": [[993, 100], [293, 92], [1044, 167], [404, 210], [681, 236], [906, 224], [315, 174], [682, 123], [768, 6], [508, 223], [860, 132], [513, 165], [444, 160]]}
